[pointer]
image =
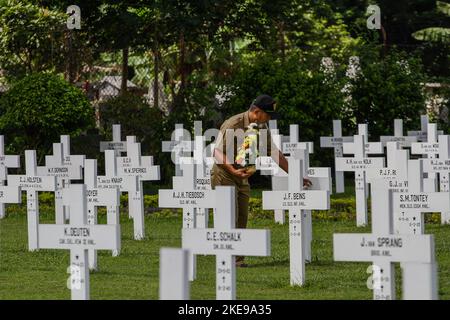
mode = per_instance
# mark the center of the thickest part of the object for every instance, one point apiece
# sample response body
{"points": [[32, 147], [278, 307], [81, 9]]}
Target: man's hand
{"points": [[242, 173], [307, 183]]}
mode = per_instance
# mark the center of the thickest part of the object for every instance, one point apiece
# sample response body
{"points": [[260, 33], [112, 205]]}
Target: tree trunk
{"points": [[281, 40], [385, 42], [70, 67], [156, 78], [123, 86], [182, 67]]}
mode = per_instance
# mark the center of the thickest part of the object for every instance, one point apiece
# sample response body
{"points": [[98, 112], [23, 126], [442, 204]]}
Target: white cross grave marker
{"points": [[32, 183], [320, 178], [429, 150], [441, 166], [185, 195], [202, 177], [359, 164], [409, 205], [294, 143], [382, 247], [422, 134], [180, 145], [6, 161], [56, 166], [288, 149], [10, 194], [109, 198], [79, 237], [205, 160], [295, 199], [268, 166], [408, 209], [70, 160], [129, 184], [226, 242], [404, 141], [116, 144], [399, 181], [369, 147], [142, 167], [396, 172], [173, 274], [336, 141]]}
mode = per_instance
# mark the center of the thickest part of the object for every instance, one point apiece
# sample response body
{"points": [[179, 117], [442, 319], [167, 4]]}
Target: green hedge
{"points": [[340, 209], [41, 107]]}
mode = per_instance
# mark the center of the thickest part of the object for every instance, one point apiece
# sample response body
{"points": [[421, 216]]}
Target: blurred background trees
{"points": [[174, 61]]}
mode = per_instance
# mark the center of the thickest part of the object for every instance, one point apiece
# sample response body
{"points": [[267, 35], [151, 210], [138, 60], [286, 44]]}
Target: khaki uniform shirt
{"points": [[239, 121]]}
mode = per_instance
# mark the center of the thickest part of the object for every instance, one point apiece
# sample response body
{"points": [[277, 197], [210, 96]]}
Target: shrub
{"points": [[41, 107], [388, 87], [305, 96], [136, 118]]}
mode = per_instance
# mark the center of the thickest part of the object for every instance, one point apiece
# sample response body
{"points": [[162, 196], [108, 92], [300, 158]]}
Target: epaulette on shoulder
{"points": [[233, 122]]}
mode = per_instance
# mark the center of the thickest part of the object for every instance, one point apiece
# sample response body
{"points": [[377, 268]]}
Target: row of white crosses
{"points": [[65, 202], [224, 240], [383, 248], [80, 237], [194, 179], [360, 164], [428, 148], [126, 173], [80, 234], [409, 208], [405, 178], [337, 140]]}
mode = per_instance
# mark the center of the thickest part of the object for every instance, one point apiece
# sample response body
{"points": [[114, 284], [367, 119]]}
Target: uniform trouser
{"points": [[242, 191]]}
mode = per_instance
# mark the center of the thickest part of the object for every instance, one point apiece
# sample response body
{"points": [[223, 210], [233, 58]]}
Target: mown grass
{"points": [[134, 274]]}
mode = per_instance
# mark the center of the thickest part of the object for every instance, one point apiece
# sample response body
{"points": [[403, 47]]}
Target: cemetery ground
{"points": [[135, 273]]}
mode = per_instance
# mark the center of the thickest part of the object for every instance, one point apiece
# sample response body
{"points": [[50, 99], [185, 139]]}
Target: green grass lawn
{"points": [[134, 274]]}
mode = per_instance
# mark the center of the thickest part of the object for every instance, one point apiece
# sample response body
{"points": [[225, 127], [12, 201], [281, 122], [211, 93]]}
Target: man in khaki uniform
{"points": [[226, 173]]}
